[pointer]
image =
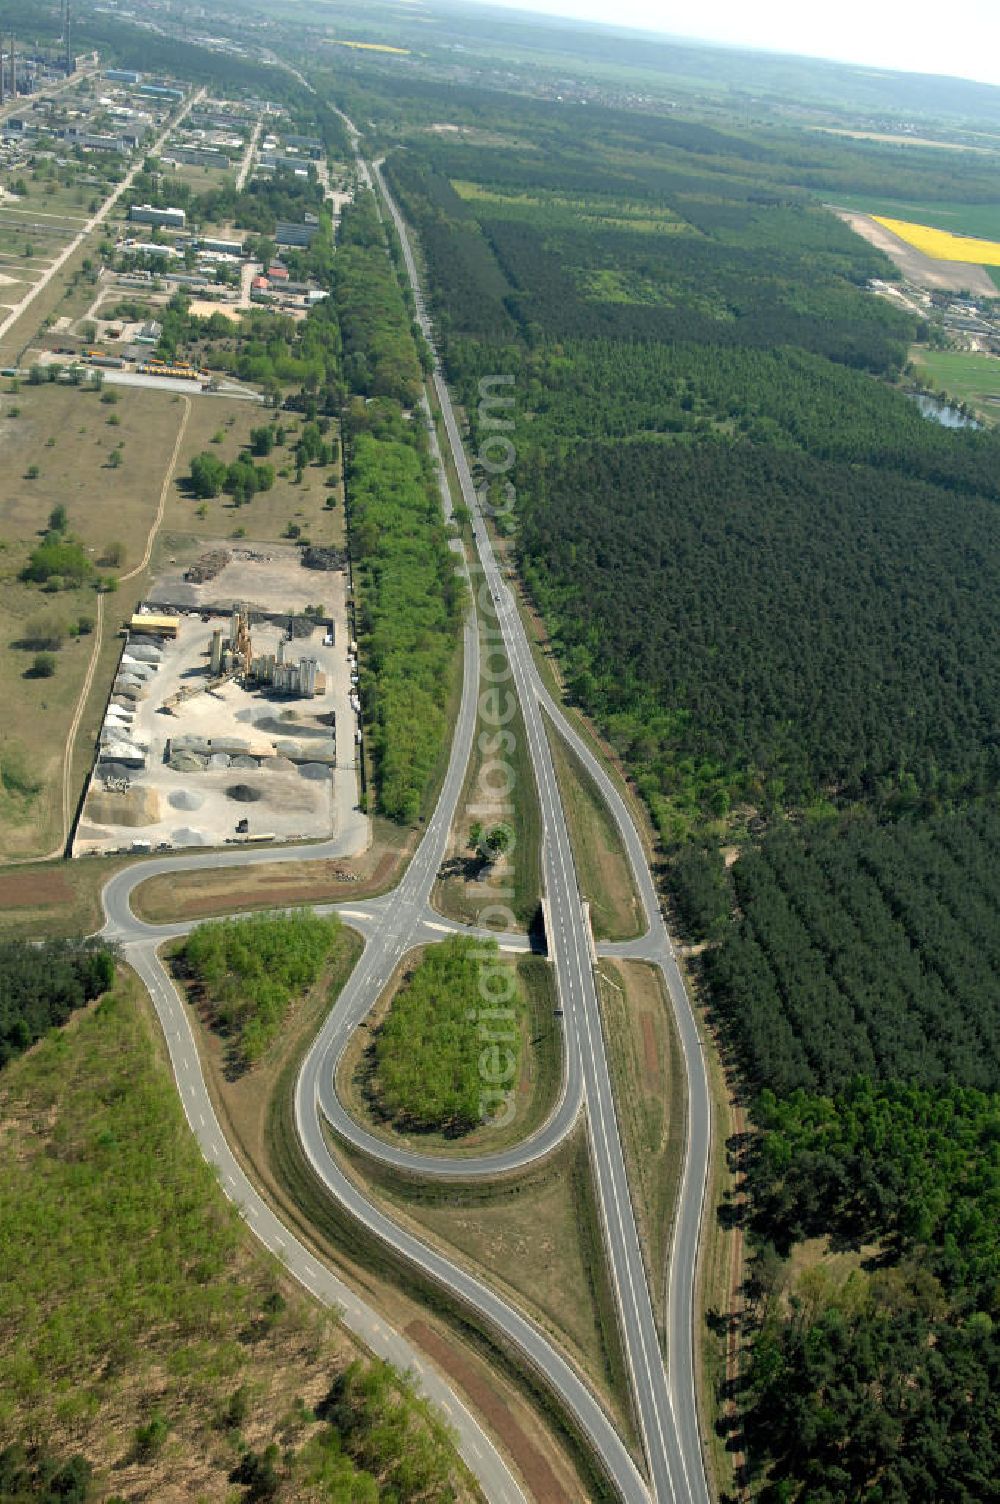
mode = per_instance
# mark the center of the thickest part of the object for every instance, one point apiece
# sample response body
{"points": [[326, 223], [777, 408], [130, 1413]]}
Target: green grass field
{"points": [[970, 378], [50, 196], [199, 178]]}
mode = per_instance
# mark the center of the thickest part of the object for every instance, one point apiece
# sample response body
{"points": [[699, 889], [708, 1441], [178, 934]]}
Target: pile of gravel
{"points": [[279, 765], [185, 836], [315, 770], [140, 806], [187, 762], [242, 793], [219, 760], [249, 764], [118, 770], [186, 799]]}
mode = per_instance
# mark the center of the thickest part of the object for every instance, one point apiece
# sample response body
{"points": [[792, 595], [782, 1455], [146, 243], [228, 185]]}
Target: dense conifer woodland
{"points": [[775, 585]]}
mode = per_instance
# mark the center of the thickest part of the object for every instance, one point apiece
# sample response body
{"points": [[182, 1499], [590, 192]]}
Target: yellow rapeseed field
{"points": [[941, 244], [369, 46]]}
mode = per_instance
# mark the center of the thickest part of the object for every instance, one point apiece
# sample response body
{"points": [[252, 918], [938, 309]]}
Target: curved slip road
{"points": [[666, 1410], [474, 1444], [390, 925], [393, 924]]}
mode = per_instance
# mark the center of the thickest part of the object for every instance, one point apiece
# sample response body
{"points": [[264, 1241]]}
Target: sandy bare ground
{"points": [[936, 276], [203, 308], [890, 140]]}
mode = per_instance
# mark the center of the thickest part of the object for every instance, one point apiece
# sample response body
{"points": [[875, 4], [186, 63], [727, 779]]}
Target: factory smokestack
{"points": [[13, 68]]}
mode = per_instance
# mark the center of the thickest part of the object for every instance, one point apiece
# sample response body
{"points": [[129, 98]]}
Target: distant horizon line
{"points": [[689, 40]]}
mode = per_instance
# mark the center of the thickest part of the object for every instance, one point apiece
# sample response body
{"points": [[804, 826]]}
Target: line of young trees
{"points": [[409, 601]]}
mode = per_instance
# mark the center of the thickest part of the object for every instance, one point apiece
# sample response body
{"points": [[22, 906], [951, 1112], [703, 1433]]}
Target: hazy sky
{"points": [[962, 38]]}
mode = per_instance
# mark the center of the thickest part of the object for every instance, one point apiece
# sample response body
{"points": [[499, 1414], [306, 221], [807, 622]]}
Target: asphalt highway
{"points": [[391, 926], [667, 1413], [478, 1451], [664, 1403]]}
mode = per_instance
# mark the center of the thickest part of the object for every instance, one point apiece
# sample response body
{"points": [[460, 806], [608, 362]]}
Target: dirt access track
{"points": [[936, 276]]}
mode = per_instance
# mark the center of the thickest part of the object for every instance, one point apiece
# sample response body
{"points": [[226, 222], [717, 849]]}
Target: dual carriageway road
{"points": [[663, 1391]]}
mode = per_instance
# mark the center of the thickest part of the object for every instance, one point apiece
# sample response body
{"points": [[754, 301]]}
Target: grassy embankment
{"points": [[54, 900], [141, 1327], [601, 863], [200, 894], [536, 1238], [256, 1110], [648, 1075], [468, 887], [720, 1271]]}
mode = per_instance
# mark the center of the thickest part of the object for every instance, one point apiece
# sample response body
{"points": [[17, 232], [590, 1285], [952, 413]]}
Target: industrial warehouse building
{"points": [[146, 214]]}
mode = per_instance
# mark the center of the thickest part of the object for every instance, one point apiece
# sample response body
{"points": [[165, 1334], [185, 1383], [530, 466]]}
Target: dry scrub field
{"points": [[65, 432], [265, 518], [69, 433]]}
